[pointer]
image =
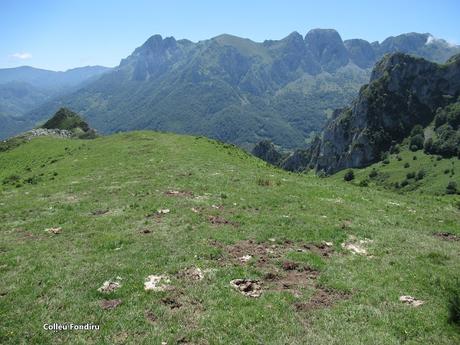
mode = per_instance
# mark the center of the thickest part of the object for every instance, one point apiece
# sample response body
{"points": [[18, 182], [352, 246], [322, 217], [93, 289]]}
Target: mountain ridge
{"points": [[403, 92], [227, 88]]}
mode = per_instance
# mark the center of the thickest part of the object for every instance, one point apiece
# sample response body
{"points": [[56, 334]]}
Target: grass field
{"points": [[105, 195], [405, 166]]}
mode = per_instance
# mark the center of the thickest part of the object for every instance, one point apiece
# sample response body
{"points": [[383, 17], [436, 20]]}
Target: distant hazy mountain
{"points": [[45, 79], [25, 88], [234, 89]]}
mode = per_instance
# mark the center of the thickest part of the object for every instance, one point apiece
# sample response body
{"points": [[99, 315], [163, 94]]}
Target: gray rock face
{"points": [[361, 53], [154, 57], [327, 48], [404, 91], [45, 132]]}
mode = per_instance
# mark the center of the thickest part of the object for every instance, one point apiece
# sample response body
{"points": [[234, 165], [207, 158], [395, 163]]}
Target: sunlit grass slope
{"points": [[105, 194]]}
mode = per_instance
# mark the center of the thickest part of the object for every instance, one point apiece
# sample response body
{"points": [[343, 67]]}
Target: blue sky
{"points": [[62, 34]]}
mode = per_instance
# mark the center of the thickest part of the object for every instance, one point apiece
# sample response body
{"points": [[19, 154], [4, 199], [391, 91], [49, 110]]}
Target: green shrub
{"points": [[349, 175], [404, 183], [416, 142], [451, 188], [373, 173], [410, 175], [420, 174], [12, 179], [406, 165]]}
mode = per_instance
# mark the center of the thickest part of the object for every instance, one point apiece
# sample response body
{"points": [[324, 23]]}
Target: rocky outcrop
{"points": [[327, 48], [404, 91], [266, 151], [361, 53]]}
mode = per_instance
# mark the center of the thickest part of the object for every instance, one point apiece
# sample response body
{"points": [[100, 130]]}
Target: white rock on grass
{"points": [[245, 258], [248, 287], [157, 283], [412, 301], [54, 231], [110, 286], [356, 246]]}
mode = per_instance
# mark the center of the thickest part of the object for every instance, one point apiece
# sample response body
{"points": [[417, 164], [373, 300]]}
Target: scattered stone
{"points": [[163, 211], [248, 287], [447, 236], [245, 258], [146, 231], [192, 273], [393, 203], [157, 283], [195, 210], [54, 231], [328, 244], [356, 246], [110, 286], [412, 301], [110, 304]]}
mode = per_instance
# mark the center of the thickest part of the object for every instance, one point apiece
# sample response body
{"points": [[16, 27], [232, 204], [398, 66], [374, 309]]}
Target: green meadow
{"points": [[104, 196]]}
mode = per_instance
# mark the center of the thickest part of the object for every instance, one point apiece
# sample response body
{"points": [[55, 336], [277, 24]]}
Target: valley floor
{"points": [[329, 260]]}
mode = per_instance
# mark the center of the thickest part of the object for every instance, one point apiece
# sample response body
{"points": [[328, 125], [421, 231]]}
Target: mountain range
{"points": [[408, 102], [25, 88], [234, 89]]}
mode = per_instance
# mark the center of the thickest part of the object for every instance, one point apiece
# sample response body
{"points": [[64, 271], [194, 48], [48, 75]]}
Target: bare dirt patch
{"points": [[279, 275], [178, 193], [110, 304], [248, 287], [323, 249], [243, 251], [172, 303], [322, 298], [192, 273], [446, 236], [218, 220]]}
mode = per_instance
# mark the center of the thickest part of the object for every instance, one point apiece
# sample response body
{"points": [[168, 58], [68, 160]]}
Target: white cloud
{"points": [[432, 40], [22, 56]]}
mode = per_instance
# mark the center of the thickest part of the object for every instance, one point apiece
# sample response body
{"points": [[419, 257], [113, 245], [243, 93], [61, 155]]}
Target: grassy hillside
{"points": [[105, 195], [409, 172]]}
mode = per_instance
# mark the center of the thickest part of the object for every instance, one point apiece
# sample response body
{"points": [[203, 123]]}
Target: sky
{"points": [[63, 34]]}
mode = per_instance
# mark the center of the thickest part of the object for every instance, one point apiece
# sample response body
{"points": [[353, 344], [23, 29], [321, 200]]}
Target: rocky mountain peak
{"points": [[327, 48], [404, 91]]}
